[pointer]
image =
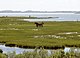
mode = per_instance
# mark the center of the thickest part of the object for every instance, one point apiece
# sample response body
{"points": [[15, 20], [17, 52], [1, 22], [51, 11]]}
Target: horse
{"points": [[39, 24]]}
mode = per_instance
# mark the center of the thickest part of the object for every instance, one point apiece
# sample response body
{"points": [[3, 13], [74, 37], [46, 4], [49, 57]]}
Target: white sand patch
{"points": [[14, 24], [78, 35], [11, 29], [36, 36], [35, 29], [69, 33], [55, 36], [10, 24], [50, 36], [71, 36]]}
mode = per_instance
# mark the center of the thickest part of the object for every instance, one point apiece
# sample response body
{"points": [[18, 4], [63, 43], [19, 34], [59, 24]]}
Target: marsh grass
{"points": [[24, 35]]}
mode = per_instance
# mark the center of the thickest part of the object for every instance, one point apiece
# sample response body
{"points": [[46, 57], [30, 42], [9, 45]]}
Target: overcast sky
{"points": [[40, 5]]}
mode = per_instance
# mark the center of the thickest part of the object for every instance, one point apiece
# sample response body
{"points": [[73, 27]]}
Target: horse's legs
{"points": [[42, 25], [36, 25]]}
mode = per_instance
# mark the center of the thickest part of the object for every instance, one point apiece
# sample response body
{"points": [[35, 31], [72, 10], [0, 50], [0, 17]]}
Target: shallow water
{"points": [[11, 49], [62, 16], [21, 50]]}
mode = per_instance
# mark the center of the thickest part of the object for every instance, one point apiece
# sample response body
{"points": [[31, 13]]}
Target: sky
{"points": [[40, 5]]}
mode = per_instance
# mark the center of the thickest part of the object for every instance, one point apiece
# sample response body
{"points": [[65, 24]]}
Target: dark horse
{"points": [[39, 24]]}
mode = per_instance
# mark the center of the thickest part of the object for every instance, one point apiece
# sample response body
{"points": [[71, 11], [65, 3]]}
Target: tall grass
{"points": [[15, 32]]}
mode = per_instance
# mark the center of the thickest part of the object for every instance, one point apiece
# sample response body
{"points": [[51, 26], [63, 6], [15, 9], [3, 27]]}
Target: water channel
{"points": [[18, 50]]}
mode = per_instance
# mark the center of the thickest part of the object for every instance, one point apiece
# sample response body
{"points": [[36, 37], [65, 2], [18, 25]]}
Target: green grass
{"points": [[22, 33]]}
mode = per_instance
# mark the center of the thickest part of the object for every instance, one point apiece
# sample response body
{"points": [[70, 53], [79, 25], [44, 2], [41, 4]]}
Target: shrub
{"points": [[1, 51]]}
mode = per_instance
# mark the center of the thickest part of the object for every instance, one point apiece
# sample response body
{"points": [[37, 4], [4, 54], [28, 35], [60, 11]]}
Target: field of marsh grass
{"points": [[54, 35]]}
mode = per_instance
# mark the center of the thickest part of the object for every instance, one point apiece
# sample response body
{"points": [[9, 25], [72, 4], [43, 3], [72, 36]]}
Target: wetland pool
{"points": [[18, 50]]}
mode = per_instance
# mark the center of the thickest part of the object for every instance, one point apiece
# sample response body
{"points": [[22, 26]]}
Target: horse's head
{"points": [[36, 23]]}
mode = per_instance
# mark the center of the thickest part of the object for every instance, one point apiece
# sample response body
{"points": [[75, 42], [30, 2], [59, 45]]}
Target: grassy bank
{"points": [[15, 32]]}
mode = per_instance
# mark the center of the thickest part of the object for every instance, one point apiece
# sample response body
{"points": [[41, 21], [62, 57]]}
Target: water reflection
{"points": [[21, 50], [11, 49]]}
